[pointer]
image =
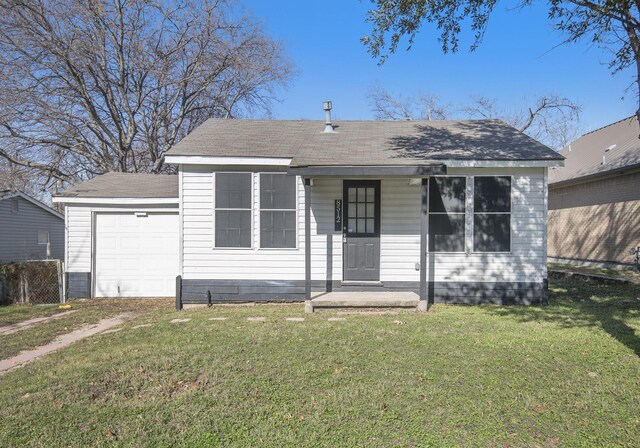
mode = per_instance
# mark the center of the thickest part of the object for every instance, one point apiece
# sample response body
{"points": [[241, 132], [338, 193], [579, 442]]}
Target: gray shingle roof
{"points": [[126, 185], [363, 142], [584, 155]]}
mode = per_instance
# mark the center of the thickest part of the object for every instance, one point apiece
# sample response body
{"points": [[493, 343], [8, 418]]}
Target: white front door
{"points": [[136, 255]]}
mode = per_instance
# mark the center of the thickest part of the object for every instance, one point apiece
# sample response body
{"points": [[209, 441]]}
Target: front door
{"points": [[361, 230]]}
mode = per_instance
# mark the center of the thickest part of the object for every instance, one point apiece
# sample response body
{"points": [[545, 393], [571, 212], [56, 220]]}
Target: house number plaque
{"points": [[338, 215]]}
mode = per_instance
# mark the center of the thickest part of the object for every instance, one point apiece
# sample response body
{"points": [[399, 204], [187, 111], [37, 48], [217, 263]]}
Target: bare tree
{"points": [[386, 106], [18, 178], [552, 119], [90, 87]]}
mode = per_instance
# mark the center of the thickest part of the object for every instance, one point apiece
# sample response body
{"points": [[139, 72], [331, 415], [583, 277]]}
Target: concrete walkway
{"points": [[29, 323], [62, 341]]}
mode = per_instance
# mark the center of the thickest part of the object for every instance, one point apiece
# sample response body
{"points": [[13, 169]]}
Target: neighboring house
{"points": [[29, 230], [594, 200], [271, 210]]}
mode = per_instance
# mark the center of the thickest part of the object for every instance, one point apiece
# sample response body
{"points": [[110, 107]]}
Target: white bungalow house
{"points": [[450, 211]]}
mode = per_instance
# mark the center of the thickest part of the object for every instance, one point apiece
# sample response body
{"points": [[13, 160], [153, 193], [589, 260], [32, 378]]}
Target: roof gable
{"points": [[18, 194]]}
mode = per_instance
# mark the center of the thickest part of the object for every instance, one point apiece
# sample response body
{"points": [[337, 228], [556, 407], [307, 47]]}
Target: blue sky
{"points": [[518, 60]]}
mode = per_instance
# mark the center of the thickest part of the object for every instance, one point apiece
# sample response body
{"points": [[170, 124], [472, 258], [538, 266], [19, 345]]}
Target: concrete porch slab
{"points": [[369, 299]]}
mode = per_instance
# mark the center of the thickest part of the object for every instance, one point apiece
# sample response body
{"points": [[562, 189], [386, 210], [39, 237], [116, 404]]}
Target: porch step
{"points": [[368, 299]]}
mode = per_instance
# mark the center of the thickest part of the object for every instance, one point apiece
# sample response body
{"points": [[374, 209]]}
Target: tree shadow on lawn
{"points": [[576, 303]]}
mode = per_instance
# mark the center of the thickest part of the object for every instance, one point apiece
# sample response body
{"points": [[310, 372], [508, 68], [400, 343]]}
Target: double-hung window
{"points": [[277, 211], [233, 210], [447, 214], [492, 214]]}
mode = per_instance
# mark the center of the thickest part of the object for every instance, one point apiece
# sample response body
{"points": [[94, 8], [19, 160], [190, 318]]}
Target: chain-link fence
{"points": [[35, 282]]}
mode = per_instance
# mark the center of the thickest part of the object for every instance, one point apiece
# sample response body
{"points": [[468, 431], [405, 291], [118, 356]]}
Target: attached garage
{"points": [[122, 236], [136, 254]]}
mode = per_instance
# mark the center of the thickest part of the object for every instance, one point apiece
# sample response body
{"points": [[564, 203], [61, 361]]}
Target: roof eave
{"points": [[114, 200], [361, 170], [595, 176]]}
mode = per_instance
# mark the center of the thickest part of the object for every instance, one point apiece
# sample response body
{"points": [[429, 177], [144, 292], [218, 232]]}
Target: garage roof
{"points": [[360, 143], [126, 185]]}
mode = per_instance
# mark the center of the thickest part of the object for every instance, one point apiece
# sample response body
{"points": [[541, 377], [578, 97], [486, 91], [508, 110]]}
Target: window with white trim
{"points": [[233, 210], [277, 211], [43, 237], [447, 201], [492, 214]]}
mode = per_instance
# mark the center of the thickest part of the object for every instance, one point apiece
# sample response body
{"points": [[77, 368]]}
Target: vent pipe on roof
{"points": [[326, 105], [604, 156]]}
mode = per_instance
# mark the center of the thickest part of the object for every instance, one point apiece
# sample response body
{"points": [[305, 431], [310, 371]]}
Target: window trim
{"points": [[510, 213], [251, 210], [258, 216], [48, 237], [429, 213]]}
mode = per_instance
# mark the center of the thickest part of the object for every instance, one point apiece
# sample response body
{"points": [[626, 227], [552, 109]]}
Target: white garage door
{"points": [[136, 254]]}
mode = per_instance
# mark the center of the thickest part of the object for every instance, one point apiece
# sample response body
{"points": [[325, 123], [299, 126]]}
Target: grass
{"points": [[17, 313], [566, 374], [613, 272], [88, 312]]}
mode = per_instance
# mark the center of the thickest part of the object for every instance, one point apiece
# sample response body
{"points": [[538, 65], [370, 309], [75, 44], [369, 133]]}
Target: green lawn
{"points": [[17, 313], [567, 374], [87, 312]]}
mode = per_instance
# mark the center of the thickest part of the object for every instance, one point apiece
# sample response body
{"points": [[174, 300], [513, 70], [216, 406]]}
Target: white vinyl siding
{"points": [[399, 240], [79, 243]]}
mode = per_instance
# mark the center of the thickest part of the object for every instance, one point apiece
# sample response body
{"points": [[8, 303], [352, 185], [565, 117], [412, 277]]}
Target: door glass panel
{"points": [[370, 210], [361, 210], [370, 225], [371, 197]]}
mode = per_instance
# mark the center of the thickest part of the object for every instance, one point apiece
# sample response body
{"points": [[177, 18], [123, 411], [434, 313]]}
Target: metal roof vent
{"points": [[328, 127], [604, 156]]}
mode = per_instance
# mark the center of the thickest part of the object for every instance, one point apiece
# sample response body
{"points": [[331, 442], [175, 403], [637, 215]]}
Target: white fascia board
{"points": [[502, 163], [255, 161], [116, 201]]}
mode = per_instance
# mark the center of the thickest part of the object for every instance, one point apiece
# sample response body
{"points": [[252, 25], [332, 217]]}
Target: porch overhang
{"points": [[369, 171]]}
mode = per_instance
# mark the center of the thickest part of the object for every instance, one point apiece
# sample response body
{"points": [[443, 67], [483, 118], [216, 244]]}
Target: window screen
{"points": [[447, 197], [233, 210], [277, 211], [492, 214]]}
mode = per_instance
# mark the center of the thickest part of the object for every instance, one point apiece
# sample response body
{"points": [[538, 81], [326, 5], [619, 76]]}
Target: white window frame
{"points": [[48, 237], [510, 213], [429, 213], [259, 210], [251, 211]]}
